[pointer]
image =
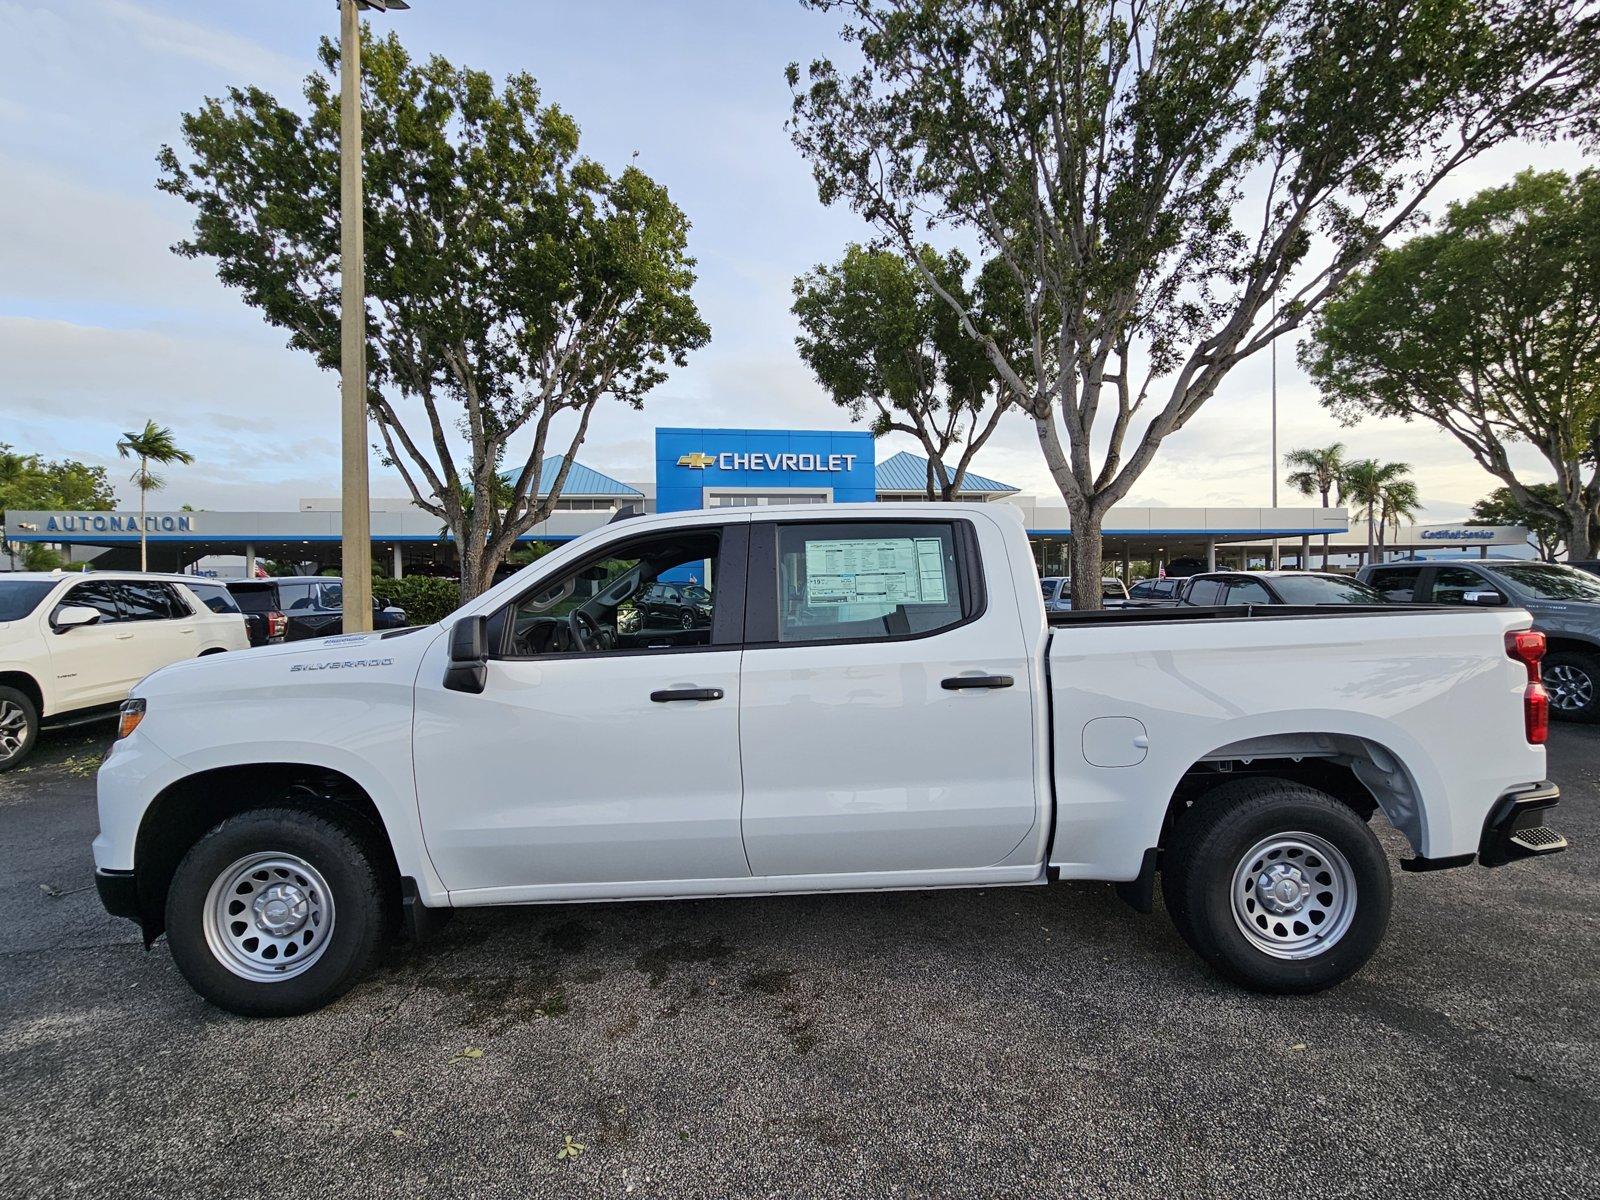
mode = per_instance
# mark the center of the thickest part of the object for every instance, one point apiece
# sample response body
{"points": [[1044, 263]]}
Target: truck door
{"points": [[604, 747], [886, 721]]}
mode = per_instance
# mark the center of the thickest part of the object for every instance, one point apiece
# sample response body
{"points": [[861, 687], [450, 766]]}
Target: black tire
{"points": [[16, 744], [360, 921], [1208, 847], [1572, 678]]}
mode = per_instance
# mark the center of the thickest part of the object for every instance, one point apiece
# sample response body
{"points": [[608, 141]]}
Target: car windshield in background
{"points": [[1549, 581], [19, 597], [1324, 589]]}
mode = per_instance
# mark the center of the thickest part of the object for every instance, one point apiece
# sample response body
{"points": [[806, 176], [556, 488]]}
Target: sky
{"points": [[101, 326]]}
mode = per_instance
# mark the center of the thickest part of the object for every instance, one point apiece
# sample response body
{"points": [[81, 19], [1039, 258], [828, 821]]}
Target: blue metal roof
{"points": [[581, 480], [906, 472]]}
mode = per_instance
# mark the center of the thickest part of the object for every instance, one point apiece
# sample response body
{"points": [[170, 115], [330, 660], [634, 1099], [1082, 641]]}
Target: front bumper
{"points": [[119, 894], [1515, 828]]}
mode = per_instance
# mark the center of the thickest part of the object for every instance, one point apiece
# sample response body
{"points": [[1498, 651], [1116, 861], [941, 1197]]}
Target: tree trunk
{"points": [[1086, 558], [471, 552], [1578, 518], [143, 474]]}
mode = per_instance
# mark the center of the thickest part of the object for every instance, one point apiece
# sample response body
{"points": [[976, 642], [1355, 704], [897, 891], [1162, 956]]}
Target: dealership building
{"points": [[715, 468]]}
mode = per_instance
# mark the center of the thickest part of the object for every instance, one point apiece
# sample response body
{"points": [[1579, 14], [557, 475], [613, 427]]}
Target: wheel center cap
{"points": [[1281, 889], [281, 909]]}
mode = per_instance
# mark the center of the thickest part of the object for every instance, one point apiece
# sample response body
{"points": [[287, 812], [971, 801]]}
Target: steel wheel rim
{"points": [[13, 729], [269, 917], [1570, 689], [1293, 895]]}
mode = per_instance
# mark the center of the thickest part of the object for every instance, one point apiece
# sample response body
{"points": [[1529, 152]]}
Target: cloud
{"points": [[178, 38]]}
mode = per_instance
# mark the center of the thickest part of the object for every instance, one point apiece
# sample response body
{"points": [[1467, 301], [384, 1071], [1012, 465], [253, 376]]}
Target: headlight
{"points": [[128, 717]]}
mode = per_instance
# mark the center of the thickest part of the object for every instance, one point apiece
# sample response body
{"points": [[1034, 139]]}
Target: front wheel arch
{"points": [[186, 810]]}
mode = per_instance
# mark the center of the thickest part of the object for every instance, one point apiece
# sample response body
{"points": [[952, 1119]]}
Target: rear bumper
{"points": [[1515, 827]]}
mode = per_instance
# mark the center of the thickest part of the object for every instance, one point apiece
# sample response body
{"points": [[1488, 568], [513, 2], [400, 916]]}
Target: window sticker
{"points": [[882, 571]]}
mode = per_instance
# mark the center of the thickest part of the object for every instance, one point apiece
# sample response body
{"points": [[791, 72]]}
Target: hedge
{"points": [[426, 598]]}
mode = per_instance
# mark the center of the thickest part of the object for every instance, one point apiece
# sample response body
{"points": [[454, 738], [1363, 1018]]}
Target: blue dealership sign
{"points": [[690, 463]]}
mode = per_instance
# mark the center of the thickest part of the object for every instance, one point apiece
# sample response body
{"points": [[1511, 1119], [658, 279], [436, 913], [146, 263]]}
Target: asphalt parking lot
{"points": [[935, 1044]]}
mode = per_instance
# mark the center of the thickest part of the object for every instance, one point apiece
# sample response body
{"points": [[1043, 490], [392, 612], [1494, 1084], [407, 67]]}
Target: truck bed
{"points": [[1238, 612]]}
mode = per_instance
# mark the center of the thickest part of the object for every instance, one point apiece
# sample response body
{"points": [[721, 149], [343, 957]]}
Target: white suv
{"points": [[72, 645]]}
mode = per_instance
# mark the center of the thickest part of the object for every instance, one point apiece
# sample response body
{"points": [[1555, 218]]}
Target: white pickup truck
{"points": [[856, 699]]}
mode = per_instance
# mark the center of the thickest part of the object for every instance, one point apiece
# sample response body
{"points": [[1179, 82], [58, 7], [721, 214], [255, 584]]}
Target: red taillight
{"points": [[276, 623], [1536, 713], [1527, 647]]}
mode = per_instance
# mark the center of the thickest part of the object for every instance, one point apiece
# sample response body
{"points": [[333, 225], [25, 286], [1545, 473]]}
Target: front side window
{"points": [[1451, 584], [101, 597], [654, 594], [330, 595], [1204, 593], [1325, 589], [885, 579]]}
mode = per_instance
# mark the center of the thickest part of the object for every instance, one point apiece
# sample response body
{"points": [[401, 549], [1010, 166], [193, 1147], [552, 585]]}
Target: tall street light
{"points": [[355, 502]]}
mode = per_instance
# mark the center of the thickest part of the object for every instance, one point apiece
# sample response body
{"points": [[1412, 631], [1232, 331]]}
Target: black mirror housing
{"points": [[469, 656]]}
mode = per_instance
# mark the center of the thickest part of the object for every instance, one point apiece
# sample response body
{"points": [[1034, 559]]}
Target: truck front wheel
{"points": [[275, 912], [1280, 887]]}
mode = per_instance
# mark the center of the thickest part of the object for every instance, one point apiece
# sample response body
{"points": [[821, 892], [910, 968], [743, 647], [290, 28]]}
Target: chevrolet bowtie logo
{"points": [[698, 460]]}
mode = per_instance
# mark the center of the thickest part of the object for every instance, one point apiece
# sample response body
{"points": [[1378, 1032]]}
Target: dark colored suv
{"points": [[1563, 601], [312, 605], [1223, 588], [674, 606]]}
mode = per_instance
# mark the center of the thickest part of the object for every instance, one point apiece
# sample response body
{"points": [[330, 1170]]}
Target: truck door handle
{"points": [[957, 683], [671, 694]]}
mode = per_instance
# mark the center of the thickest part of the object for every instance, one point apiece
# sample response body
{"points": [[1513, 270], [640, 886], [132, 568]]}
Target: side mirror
{"points": [[70, 616], [1483, 599], [469, 656]]}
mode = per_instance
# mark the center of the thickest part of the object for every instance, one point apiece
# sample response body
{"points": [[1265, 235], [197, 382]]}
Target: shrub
{"points": [[426, 598]]}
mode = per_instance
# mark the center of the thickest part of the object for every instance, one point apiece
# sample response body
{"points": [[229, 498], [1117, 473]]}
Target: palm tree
{"points": [[153, 444], [1316, 471], [1364, 484], [1399, 502]]}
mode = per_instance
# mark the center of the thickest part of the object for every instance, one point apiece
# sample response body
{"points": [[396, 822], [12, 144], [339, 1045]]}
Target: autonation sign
{"points": [[113, 523], [696, 467]]}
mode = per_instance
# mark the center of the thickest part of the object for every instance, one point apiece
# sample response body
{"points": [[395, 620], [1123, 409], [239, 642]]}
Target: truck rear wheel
{"points": [[275, 912], [1279, 887]]}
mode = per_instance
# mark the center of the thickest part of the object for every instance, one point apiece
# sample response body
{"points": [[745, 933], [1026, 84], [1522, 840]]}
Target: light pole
{"points": [[355, 501]]}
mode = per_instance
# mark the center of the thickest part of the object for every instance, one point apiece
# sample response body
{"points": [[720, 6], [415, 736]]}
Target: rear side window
{"points": [[1204, 592], [215, 597], [1397, 585], [879, 580], [1248, 591]]}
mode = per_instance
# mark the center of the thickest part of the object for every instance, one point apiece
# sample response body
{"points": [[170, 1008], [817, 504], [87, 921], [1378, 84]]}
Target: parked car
{"points": [[1274, 587], [312, 605], [72, 645], [256, 600], [878, 702], [674, 606], [1057, 592], [1564, 603]]}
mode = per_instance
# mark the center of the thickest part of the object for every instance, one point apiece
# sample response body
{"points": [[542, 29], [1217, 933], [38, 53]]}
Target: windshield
{"points": [[1548, 581], [1324, 589], [19, 597]]}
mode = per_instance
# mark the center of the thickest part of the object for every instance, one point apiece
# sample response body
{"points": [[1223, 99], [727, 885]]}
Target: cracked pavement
{"points": [[914, 1044]]}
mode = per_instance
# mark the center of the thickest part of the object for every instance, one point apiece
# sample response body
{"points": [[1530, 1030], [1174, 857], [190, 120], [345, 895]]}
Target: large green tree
{"points": [[1488, 327], [884, 345], [511, 282], [1172, 184], [31, 482], [1544, 525]]}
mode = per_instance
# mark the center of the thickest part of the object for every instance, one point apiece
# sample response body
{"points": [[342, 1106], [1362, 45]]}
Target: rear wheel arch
{"points": [[1359, 772], [189, 808]]}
